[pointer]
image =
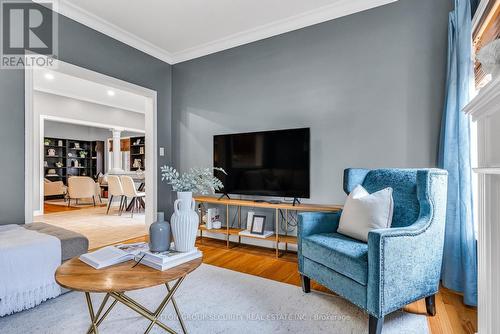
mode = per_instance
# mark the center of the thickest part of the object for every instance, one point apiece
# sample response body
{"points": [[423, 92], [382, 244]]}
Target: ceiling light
{"points": [[49, 76], [111, 93]]}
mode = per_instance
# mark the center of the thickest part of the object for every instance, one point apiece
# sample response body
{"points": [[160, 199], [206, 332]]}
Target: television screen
{"points": [[270, 163]]}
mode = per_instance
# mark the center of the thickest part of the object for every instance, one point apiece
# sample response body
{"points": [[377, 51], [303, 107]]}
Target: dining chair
{"points": [[130, 191], [115, 188], [81, 187]]}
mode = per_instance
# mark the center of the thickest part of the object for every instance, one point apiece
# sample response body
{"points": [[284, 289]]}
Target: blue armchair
{"points": [[398, 265]]}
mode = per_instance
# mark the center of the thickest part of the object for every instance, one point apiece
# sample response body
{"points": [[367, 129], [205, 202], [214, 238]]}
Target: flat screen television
{"points": [[269, 163]]}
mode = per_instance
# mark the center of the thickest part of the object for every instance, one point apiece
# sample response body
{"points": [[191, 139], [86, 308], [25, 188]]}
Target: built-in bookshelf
{"points": [[64, 158], [137, 153], [55, 159]]}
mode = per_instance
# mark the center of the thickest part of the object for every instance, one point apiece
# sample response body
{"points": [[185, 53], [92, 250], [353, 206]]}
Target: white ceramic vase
{"points": [[184, 222]]}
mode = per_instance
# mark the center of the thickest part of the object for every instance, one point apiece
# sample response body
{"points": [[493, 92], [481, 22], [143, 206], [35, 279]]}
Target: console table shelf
{"points": [[277, 238]]}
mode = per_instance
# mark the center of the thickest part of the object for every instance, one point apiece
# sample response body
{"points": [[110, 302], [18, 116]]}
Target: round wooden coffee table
{"points": [[120, 278]]}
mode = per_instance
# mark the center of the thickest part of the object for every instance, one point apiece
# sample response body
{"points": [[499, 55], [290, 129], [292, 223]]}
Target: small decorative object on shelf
{"points": [[137, 164], [51, 152], [212, 217], [77, 145], [46, 142], [159, 234], [51, 172], [59, 164], [83, 154], [45, 164], [250, 215], [70, 155], [258, 224], [60, 143], [184, 222], [489, 57]]}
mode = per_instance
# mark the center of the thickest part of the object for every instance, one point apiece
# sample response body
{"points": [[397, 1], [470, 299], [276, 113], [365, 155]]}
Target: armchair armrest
{"points": [[404, 265], [317, 222], [313, 223]]}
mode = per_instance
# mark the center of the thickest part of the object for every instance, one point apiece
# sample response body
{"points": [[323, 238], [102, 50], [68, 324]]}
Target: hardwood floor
{"points": [[452, 317], [51, 208]]}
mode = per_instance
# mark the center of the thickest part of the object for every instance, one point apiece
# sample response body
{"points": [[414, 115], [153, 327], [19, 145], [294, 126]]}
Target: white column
{"points": [[117, 157]]}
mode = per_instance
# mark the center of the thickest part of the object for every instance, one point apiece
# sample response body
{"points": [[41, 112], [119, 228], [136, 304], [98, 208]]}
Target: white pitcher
{"points": [[184, 222]]}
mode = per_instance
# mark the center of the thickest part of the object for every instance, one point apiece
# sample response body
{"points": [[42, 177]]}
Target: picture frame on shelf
{"points": [[258, 224]]}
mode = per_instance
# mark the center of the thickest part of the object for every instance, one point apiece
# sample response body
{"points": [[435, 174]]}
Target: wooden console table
{"points": [[238, 203]]}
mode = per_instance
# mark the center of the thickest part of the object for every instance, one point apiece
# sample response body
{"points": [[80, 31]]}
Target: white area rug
{"points": [[216, 300]]}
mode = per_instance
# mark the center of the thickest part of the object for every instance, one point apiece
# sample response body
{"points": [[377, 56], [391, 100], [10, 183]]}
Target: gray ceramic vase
{"points": [[159, 234]]}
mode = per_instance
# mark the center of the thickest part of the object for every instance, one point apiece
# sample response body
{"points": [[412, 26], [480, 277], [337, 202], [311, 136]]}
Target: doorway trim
{"points": [[33, 135]]}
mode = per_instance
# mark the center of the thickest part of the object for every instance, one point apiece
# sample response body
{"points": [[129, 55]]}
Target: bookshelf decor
{"points": [[64, 158], [137, 153]]}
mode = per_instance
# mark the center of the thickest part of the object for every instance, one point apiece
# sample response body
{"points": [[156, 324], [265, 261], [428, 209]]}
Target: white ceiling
{"points": [[58, 83], [179, 30]]}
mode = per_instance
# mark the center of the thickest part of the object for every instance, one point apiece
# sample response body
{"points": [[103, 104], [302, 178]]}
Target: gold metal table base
{"points": [[97, 318]]}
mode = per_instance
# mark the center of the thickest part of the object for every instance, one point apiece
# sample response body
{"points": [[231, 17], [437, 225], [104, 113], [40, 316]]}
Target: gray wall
{"points": [[90, 49], [81, 132], [370, 86], [74, 131]]}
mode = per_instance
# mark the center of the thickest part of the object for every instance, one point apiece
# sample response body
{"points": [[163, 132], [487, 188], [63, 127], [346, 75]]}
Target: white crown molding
{"points": [[309, 18], [486, 103], [319, 15], [95, 22]]}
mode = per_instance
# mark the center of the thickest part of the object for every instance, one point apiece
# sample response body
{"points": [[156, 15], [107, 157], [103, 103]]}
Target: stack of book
{"points": [[166, 260], [111, 255]]}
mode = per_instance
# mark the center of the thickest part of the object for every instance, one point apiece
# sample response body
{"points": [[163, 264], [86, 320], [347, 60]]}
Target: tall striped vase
{"points": [[184, 222]]}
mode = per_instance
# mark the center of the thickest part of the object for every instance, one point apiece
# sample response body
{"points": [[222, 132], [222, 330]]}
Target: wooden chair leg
{"points": [[109, 204], [375, 325], [430, 305], [306, 283], [69, 202], [93, 200]]}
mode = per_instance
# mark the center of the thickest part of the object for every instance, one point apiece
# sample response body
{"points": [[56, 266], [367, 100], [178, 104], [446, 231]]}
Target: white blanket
{"points": [[28, 261]]}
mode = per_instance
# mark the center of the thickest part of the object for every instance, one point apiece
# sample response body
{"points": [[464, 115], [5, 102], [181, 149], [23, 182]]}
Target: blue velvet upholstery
{"points": [[347, 256], [398, 265]]}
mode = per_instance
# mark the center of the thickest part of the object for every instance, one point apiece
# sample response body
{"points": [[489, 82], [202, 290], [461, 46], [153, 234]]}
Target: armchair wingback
{"points": [[398, 265]]}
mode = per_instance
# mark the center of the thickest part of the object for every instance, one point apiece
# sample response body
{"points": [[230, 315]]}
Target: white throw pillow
{"points": [[364, 212]]}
